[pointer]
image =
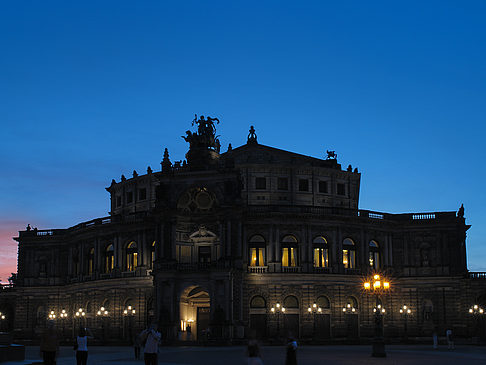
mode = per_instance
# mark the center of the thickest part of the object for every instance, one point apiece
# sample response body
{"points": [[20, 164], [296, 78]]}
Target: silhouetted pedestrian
{"points": [[137, 343], [49, 344], [450, 340], [253, 351], [151, 339], [291, 357], [81, 345]]}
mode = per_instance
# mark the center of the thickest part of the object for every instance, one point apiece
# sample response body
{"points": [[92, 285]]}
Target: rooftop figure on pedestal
{"points": [[204, 145]]}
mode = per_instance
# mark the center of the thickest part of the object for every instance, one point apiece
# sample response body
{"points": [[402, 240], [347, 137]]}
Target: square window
{"points": [[341, 190], [260, 183], [142, 194], [129, 197], [303, 185], [323, 187], [282, 183]]}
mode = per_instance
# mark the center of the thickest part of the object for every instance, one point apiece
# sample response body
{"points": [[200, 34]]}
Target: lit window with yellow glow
{"points": [[349, 254], [321, 252], [109, 259], [132, 255], [289, 251]]}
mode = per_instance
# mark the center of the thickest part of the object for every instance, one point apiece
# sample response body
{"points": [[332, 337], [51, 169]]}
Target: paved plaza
{"points": [[275, 355]]}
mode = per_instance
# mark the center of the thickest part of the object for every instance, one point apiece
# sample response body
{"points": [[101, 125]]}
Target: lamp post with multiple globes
{"points": [[314, 310], [80, 315], [63, 315], [477, 312], [377, 286], [2, 320], [129, 313], [405, 312], [277, 310], [102, 313]]}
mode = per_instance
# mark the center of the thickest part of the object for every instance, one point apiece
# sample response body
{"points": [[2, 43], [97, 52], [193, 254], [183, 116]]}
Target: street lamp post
{"points": [[476, 311], [277, 310], [63, 315], [405, 311], [314, 310], [80, 315], [102, 313], [377, 286], [2, 319], [129, 312]]}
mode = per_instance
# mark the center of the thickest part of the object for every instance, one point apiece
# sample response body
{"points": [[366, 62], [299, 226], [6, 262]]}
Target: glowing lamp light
{"points": [[344, 309], [376, 284], [409, 311], [319, 309], [367, 285], [309, 309], [386, 285], [376, 277], [470, 310], [278, 305], [283, 309], [272, 310], [475, 306]]}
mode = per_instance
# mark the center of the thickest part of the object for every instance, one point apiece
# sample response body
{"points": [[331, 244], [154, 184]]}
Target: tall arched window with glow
{"points": [[91, 261], [132, 255], [374, 255], [321, 252], [256, 246], [349, 254], [109, 259], [289, 251]]}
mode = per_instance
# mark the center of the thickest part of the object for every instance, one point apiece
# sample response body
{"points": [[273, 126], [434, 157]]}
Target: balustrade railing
{"points": [[257, 269], [477, 275]]}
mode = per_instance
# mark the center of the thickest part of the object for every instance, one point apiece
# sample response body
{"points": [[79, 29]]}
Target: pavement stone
{"points": [[273, 355]]}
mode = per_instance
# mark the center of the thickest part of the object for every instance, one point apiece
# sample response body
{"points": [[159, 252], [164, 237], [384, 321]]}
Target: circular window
{"points": [[203, 200]]}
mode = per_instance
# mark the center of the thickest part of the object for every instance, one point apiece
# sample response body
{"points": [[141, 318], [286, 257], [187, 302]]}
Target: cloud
{"points": [[8, 247]]}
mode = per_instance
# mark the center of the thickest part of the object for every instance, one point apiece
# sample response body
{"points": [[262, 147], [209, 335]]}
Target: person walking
{"points": [[450, 340], [81, 345], [49, 344], [291, 357], [137, 343], [151, 338], [253, 351], [435, 340]]}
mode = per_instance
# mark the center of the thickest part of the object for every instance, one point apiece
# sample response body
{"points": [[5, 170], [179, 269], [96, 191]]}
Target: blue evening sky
{"points": [[90, 90]]}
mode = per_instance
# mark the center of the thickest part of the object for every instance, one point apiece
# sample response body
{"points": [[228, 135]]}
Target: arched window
{"points": [[132, 256], [374, 255], [41, 315], [289, 251], [152, 254], [291, 302], [323, 302], [258, 302], [109, 259], [321, 252], [91, 261], [349, 254], [256, 246]]}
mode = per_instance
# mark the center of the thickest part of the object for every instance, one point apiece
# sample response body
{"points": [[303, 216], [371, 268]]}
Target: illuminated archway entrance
{"points": [[194, 314]]}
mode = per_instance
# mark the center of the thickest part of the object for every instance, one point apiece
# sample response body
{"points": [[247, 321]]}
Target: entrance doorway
{"points": [[194, 314]]}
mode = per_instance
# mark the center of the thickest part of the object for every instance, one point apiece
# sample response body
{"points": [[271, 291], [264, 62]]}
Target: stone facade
{"points": [[209, 246]]}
